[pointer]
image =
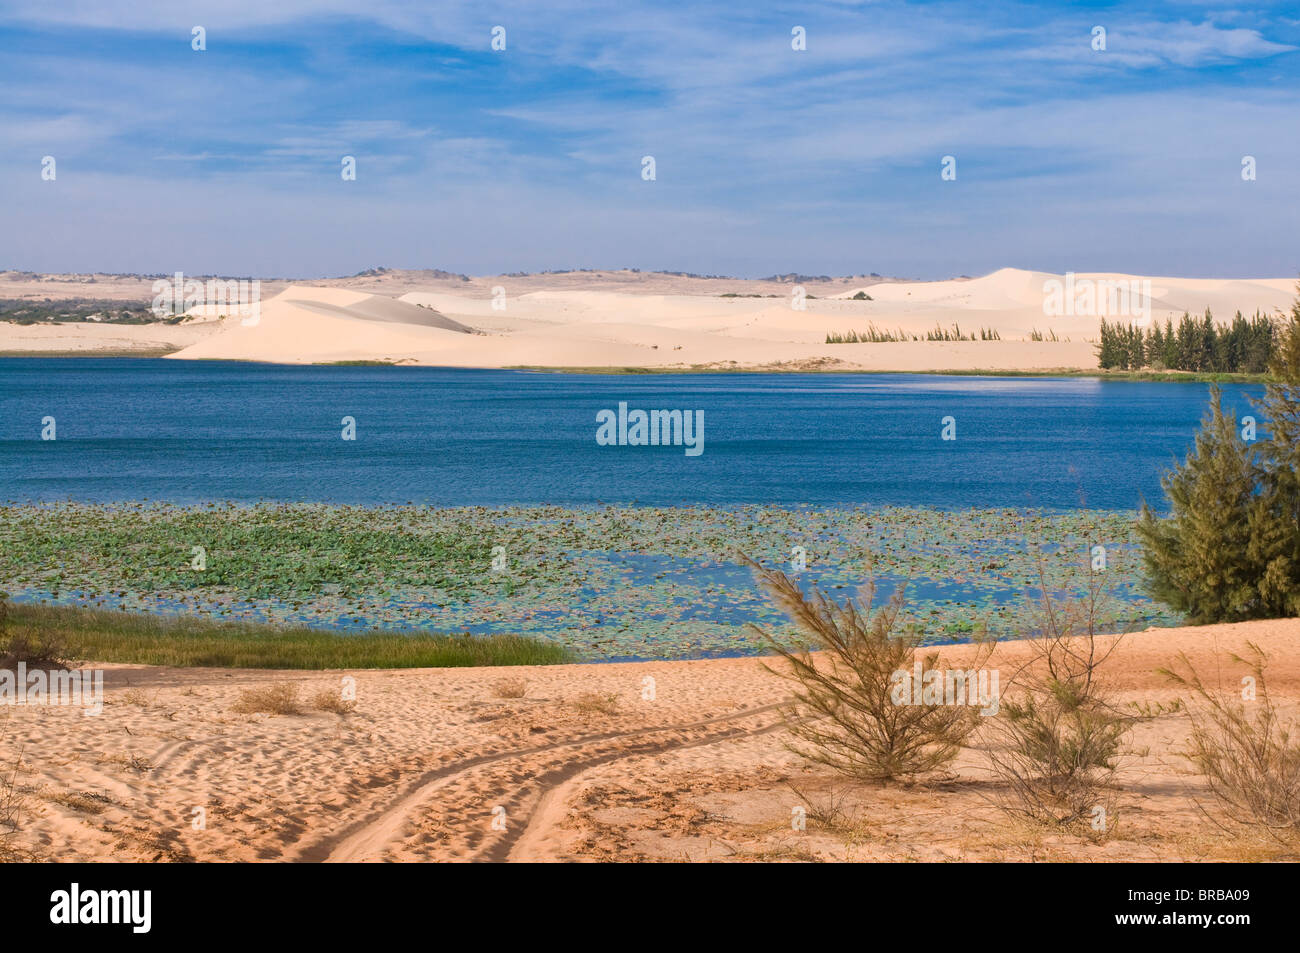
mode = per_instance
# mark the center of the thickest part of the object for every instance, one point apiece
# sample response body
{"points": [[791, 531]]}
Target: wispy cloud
{"points": [[769, 159]]}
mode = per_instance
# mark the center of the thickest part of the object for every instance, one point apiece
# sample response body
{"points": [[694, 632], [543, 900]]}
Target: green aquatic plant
{"points": [[609, 582]]}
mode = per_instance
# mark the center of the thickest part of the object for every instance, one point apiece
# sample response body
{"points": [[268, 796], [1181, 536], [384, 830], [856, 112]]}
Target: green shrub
{"points": [[844, 714], [1229, 549]]}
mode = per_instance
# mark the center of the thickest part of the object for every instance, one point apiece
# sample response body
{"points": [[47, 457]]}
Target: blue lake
{"points": [[134, 429]]}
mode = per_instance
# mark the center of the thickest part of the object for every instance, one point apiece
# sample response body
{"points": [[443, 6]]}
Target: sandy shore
{"points": [[581, 767], [629, 320], [90, 340]]}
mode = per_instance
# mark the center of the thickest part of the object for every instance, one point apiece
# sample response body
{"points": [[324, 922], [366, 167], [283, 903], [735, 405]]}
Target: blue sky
{"points": [[825, 161]]}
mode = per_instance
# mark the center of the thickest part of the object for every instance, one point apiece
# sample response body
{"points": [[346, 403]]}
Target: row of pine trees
{"points": [[1243, 347], [1229, 549]]}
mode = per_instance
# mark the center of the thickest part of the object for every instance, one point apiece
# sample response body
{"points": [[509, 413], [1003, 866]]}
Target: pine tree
{"points": [[1258, 351], [1232, 344], [1188, 339], [1171, 345], [1136, 350], [1278, 542], [1230, 547], [1206, 348], [1155, 345], [1198, 558], [1107, 356]]}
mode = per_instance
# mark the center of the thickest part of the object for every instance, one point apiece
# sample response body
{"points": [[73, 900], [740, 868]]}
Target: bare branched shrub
{"points": [[844, 714], [278, 699], [831, 811], [327, 700], [18, 645], [1248, 754], [14, 805], [1056, 741], [84, 801], [604, 703]]}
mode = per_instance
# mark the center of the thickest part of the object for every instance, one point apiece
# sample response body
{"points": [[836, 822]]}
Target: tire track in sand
{"points": [[524, 843], [365, 838]]}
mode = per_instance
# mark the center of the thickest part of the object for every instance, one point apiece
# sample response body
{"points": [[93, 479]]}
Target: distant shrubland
{"points": [[26, 311]]}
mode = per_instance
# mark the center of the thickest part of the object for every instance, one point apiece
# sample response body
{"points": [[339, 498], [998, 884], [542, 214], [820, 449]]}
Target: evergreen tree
{"points": [[1244, 346], [1232, 344], [1136, 349], [1258, 349], [1171, 345], [1107, 353], [1188, 344], [1230, 547], [1205, 348], [1155, 345], [1197, 558], [1278, 541]]}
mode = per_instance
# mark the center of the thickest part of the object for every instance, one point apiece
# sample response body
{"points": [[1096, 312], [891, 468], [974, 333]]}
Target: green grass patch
{"points": [[375, 362], [1206, 377], [98, 352], [540, 368], [108, 636]]}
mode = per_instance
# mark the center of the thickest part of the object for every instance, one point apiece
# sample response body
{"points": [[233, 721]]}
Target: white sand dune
{"points": [[309, 325], [387, 311], [567, 326]]}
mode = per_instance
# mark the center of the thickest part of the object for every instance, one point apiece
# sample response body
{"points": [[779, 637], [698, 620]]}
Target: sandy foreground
{"points": [[624, 319], [443, 765]]}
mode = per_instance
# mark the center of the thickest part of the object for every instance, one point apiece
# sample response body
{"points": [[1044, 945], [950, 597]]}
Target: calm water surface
{"points": [[183, 431]]}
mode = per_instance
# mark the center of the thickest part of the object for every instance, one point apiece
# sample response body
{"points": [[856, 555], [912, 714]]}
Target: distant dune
{"points": [[626, 319], [309, 325], [371, 308]]}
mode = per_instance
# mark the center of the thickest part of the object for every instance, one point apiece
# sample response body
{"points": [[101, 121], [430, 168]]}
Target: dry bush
{"points": [[509, 688], [832, 811], [44, 649], [1251, 760], [132, 762], [1056, 741], [605, 703], [14, 805], [278, 699], [843, 714], [86, 803], [326, 700]]}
